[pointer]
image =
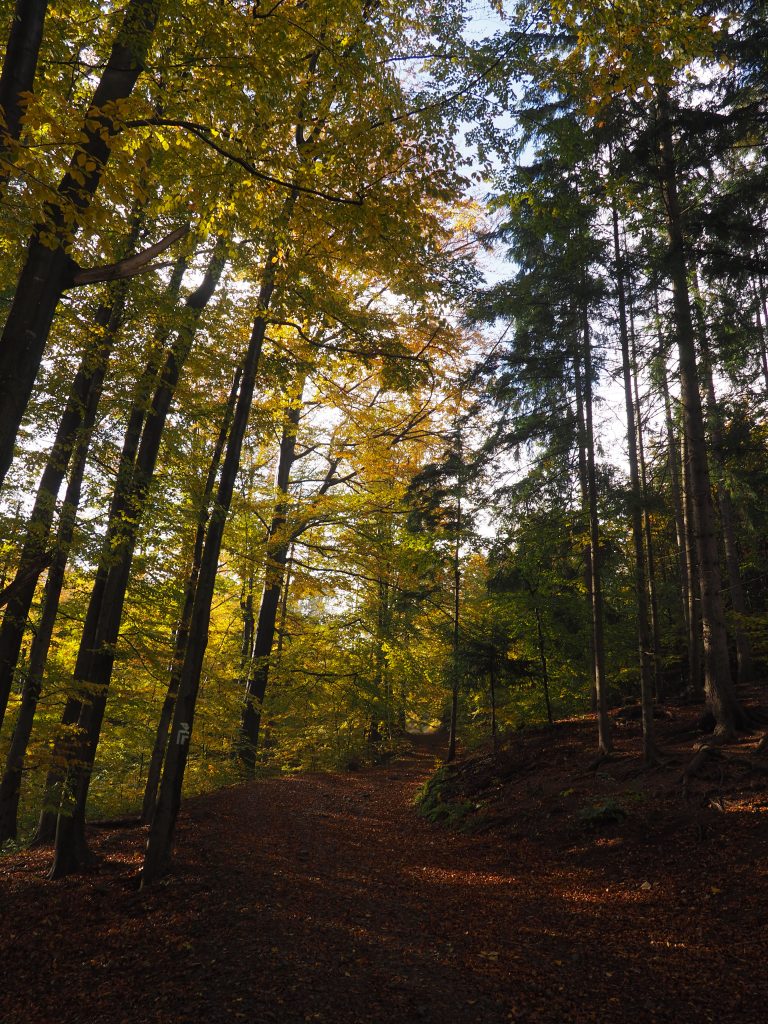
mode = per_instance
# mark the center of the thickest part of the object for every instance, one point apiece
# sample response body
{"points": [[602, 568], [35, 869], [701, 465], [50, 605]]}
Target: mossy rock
{"points": [[598, 816], [434, 800]]}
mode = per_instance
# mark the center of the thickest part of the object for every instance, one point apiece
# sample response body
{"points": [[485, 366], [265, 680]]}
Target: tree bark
{"points": [[161, 831], [684, 539], [761, 304], [18, 74], [643, 630], [48, 267], [718, 685], [647, 531], [604, 742], [96, 654], [543, 662], [86, 390], [584, 492], [182, 633], [454, 722], [695, 632], [278, 543], [744, 667], [10, 787]]}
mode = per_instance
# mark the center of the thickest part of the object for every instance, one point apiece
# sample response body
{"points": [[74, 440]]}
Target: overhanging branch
{"points": [[131, 265]]}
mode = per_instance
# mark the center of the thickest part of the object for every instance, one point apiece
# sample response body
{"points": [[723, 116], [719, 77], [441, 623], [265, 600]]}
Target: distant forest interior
{"points": [[374, 373]]}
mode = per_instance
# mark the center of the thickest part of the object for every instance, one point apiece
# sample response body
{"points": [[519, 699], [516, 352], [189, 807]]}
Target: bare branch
{"points": [[131, 265]]}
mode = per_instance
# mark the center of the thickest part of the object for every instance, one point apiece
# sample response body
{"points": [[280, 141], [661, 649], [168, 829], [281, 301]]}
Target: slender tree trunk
{"points": [[86, 389], [48, 268], [761, 304], [718, 684], [18, 75], [278, 543], [63, 750], [643, 630], [182, 633], [454, 724], [95, 659], [648, 533], [492, 688], [163, 824], [727, 513], [687, 563], [696, 641], [604, 741], [10, 787], [284, 601], [584, 494], [543, 662]]}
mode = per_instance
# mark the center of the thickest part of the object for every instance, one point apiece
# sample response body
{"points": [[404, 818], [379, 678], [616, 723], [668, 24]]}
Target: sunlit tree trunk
{"points": [[163, 824], [278, 543], [96, 654], [182, 633], [10, 786], [86, 388]]}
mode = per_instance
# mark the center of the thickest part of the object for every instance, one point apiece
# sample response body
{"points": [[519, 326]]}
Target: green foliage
{"points": [[601, 815], [434, 801]]}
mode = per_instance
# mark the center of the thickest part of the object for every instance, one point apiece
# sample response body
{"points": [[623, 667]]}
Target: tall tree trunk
{"points": [[643, 630], [744, 668], [95, 658], [10, 787], [695, 631], [182, 633], [64, 748], [584, 493], [604, 742], [721, 699], [288, 579], [48, 268], [454, 723], [543, 662], [278, 543], [492, 690], [18, 74], [761, 304], [161, 831], [687, 563], [86, 389], [647, 531]]}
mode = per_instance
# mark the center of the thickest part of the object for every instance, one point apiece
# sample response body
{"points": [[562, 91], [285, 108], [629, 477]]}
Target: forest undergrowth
{"points": [[566, 890]]}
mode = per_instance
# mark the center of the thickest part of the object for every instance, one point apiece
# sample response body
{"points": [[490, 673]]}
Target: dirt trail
{"points": [[325, 898]]}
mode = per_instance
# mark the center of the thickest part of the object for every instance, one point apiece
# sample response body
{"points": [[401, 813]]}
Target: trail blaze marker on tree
{"points": [[182, 736]]}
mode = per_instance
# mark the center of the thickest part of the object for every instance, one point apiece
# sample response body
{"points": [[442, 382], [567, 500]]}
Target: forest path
{"points": [[326, 898]]}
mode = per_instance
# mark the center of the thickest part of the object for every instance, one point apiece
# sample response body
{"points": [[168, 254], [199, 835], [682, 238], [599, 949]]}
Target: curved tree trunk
{"points": [[48, 269], [88, 383]]}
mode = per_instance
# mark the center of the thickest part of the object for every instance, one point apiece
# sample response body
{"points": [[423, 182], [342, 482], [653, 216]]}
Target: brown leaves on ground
{"points": [[326, 898]]}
